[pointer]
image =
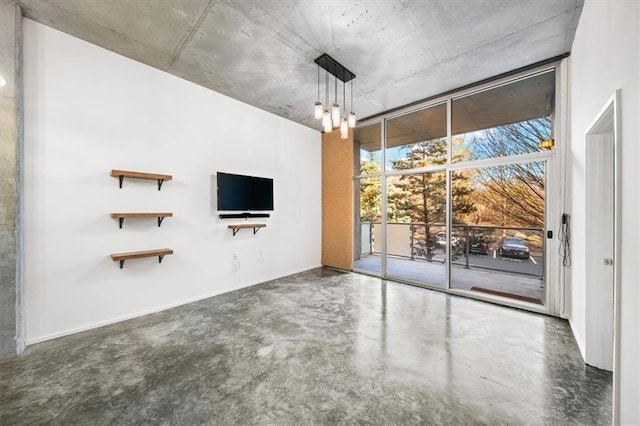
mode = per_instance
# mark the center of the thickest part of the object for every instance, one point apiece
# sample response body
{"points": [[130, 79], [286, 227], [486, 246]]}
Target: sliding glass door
{"points": [[498, 246], [498, 241]]}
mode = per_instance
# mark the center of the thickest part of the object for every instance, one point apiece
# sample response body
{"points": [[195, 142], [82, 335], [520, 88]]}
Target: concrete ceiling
{"points": [[261, 52]]}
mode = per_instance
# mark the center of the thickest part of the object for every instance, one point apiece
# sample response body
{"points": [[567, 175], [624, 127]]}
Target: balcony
{"points": [[503, 261]]}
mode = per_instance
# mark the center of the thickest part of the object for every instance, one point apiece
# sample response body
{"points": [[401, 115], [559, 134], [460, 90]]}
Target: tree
{"points": [[514, 193], [370, 194], [422, 196], [510, 139]]}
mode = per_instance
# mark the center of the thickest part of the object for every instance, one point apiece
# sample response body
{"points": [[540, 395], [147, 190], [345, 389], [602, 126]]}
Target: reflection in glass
{"points": [[367, 149], [367, 229], [497, 246]]}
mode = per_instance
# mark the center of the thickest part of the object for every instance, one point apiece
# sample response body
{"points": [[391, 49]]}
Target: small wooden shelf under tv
{"points": [[122, 216], [255, 226], [121, 174], [121, 257]]}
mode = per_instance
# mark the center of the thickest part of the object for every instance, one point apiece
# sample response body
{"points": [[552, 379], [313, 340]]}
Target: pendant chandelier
{"points": [[331, 117]]}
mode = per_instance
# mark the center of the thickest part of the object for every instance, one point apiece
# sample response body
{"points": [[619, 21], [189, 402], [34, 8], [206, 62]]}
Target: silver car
{"points": [[514, 247]]}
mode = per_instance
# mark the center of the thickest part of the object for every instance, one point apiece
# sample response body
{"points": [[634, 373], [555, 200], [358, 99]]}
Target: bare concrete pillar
{"points": [[11, 284]]}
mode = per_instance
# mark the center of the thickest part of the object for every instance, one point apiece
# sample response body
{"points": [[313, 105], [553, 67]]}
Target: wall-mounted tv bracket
{"points": [[255, 226], [121, 174], [242, 215]]}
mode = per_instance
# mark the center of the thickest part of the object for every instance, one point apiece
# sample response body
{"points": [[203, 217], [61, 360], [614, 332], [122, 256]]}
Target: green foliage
{"points": [[422, 197], [370, 194]]}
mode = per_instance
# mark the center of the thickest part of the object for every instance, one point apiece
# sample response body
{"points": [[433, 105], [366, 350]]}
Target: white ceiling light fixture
{"points": [[331, 119]]}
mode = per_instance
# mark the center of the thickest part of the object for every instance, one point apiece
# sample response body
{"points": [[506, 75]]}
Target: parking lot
{"points": [[493, 261]]}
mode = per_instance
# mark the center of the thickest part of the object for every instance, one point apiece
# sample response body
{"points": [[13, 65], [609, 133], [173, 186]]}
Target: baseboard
{"points": [[580, 343], [160, 308]]}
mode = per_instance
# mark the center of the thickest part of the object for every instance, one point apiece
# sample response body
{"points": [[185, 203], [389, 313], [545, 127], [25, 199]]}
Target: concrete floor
{"points": [[321, 347]]}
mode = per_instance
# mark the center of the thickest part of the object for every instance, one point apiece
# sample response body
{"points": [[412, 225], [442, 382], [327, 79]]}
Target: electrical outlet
{"points": [[235, 263], [260, 256]]}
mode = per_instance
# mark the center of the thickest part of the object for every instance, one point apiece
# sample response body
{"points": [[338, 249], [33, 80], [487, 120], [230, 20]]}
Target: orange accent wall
{"points": [[337, 200]]}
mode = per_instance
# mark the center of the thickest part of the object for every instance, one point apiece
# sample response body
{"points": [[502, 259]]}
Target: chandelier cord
{"points": [[351, 95], [326, 86], [344, 104], [335, 85]]}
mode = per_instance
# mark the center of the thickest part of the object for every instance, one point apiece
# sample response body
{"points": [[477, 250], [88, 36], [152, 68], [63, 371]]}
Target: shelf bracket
{"points": [[160, 181], [121, 220], [121, 178], [160, 219], [160, 257], [253, 226]]}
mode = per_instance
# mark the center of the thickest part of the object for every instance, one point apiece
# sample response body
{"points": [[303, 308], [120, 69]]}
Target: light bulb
{"points": [[335, 115], [326, 121], [318, 110], [344, 129], [352, 120]]}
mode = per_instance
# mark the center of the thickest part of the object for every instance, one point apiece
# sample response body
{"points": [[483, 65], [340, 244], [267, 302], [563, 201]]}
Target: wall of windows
{"points": [[453, 194]]}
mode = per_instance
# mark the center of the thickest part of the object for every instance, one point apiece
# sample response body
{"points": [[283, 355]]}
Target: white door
{"points": [[600, 232]]}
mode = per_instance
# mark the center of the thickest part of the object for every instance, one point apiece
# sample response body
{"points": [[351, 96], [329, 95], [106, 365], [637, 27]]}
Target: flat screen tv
{"points": [[244, 193]]}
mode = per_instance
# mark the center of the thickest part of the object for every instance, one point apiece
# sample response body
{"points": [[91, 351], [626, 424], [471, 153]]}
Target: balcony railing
{"points": [[471, 246]]}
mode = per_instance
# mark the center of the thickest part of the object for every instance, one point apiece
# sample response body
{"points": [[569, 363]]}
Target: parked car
{"points": [[442, 239], [514, 247], [478, 246], [479, 242]]}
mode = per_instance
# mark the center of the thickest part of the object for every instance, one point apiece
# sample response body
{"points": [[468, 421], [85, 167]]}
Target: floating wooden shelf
{"points": [[139, 254], [122, 216], [121, 174], [256, 227]]}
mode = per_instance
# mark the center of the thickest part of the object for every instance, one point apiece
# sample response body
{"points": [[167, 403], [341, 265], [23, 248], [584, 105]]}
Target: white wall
{"points": [[88, 111], [604, 58]]}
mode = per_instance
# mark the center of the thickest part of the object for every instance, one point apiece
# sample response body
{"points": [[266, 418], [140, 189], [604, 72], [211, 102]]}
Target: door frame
{"points": [[609, 117]]}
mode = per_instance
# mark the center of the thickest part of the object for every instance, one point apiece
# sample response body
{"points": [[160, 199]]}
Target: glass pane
{"points": [[418, 139], [367, 149], [367, 228], [415, 227], [508, 120], [497, 242]]}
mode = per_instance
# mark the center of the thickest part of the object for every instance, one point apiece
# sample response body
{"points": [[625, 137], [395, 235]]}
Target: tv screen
{"points": [[239, 192]]}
